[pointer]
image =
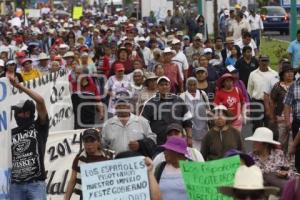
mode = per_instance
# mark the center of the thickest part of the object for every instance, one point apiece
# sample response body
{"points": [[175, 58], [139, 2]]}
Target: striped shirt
{"points": [[292, 98], [83, 158]]}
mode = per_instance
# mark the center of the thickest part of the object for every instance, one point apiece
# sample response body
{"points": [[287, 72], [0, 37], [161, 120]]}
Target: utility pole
{"points": [[293, 21], [215, 7], [199, 7]]}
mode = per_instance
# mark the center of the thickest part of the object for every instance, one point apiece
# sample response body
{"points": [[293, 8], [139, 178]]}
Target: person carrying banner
{"points": [[92, 152], [28, 147]]}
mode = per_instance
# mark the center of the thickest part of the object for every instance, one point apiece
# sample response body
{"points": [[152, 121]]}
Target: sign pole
{"points": [[293, 22]]}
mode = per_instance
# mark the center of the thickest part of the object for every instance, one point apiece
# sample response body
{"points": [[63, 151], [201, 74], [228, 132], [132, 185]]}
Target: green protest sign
{"points": [[201, 179]]}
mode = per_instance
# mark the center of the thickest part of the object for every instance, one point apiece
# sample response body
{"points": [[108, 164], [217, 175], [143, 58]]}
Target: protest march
{"points": [[148, 100]]}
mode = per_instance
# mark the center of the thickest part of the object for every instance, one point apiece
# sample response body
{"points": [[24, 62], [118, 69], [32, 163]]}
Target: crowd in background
{"points": [[165, 86]]}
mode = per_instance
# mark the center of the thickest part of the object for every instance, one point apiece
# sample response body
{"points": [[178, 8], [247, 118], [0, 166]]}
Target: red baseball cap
{"points": [[119, 67], [25, 60], [20, 54]]}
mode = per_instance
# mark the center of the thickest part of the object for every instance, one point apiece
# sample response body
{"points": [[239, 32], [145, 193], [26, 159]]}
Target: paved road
{"points": [[276, 35]]}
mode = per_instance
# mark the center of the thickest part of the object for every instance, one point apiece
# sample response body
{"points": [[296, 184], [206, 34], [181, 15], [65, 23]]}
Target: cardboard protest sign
{"points": [[33, 13], [77, 12], [5, 139], [202, 178], [61, 149], [122, 179]]}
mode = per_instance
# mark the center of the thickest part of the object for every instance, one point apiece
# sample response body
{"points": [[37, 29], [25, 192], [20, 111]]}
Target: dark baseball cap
{"points": [[264, 58], [91, 133], [174, 126], [25, 105]]}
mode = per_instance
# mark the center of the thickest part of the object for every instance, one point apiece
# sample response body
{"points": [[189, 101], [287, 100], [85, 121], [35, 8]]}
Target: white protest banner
{"points": [[5, 139], [122, 179], [54, 88], [33, 13], [61, 149]]}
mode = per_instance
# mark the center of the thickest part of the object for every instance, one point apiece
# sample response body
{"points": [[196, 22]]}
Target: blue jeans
{"points": [[28, 191], [255, 34]]}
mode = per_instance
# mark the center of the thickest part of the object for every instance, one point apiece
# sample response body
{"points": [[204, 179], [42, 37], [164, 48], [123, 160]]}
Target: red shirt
{"points": [[127, 65], [172, 72], [232, 100], [90, 87]]}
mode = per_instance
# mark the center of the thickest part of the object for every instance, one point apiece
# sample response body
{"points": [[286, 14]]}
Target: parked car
{"points": [[275, 18]]}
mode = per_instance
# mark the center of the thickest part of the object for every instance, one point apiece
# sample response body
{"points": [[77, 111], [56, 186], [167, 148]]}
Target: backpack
{"points": [[159, 170]]}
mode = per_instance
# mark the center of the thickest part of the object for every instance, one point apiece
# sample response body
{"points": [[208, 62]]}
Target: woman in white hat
{"points": [[248, 185], [268, 158]]}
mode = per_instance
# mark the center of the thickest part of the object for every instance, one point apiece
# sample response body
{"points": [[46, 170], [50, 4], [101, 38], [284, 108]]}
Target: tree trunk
{"points": [[215, 7]]}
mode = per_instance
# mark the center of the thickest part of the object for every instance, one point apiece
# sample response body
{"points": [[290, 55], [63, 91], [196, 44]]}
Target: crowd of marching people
{"points": [[165, 90]]}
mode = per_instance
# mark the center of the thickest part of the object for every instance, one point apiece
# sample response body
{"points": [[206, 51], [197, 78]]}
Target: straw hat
{"points": [[248, 179], [43, 56], [263, 134]]}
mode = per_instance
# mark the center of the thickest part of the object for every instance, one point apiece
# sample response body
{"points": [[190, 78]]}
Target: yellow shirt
{"points": [[32, 74]]}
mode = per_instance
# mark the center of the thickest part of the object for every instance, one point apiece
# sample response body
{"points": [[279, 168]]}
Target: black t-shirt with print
{"points": [[28, 151]]}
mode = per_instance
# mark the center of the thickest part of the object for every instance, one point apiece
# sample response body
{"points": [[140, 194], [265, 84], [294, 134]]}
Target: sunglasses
{"points": [[253, 195]]}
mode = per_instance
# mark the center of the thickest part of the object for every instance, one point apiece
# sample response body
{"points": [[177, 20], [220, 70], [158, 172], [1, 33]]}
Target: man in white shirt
{"points": [[121, 17], [259, 80], [126, 131], [256, 25], [180, 59], [247, 41], [145, 50], [240, 24]]}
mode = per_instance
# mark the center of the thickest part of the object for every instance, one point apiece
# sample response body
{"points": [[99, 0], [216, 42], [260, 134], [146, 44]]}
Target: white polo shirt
{"points": [[259, 82], [182, 63]]}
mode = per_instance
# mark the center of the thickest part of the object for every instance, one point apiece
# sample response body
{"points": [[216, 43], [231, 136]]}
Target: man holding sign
{"points": [[28, 147], [92, 153]]}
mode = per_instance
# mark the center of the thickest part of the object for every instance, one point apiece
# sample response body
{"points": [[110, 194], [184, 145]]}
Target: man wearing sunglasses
{"points": [[248, 185]]}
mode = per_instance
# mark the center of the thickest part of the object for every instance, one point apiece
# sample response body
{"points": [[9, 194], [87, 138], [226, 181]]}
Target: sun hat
{"points": [[174, 126], [43, 56], [248, 179], [245, 157], [175, 41], [263, 134], [150, 75], [224, 77], [25, 60], [177, 144], [170, 38], [229, 40], [220, 107], [168, 50], [91, 133], [186, 37], [198, 36], [142, 39], [63, 46], [180, 33], [207, 50], [200, 69], [69, 54], [10, 62], [163, 78]]}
